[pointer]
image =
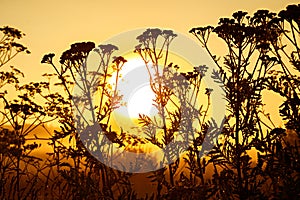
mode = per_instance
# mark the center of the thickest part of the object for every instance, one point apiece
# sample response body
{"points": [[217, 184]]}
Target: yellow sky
{"points": [[51, 26]]}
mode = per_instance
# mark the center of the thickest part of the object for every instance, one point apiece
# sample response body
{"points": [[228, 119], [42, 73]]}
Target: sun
{"points": [[142, 102], [134, 86]]}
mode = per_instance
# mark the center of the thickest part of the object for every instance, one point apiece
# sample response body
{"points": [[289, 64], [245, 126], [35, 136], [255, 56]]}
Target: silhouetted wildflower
{"points": [[48, 58]]}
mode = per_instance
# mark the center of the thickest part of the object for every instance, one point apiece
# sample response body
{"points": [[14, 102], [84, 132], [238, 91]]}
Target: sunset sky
{"points": [[51, 26]]}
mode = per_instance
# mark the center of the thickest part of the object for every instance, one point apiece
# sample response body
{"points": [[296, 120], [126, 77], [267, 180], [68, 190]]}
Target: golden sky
{"points": [[51, 26]]}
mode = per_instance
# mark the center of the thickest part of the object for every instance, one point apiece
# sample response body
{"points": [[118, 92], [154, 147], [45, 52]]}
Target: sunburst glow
{"points": [[141, 102], [135, 88]]}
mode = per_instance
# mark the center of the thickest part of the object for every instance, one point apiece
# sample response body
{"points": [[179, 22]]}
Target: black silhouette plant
{"points": [[254, 48], [20, 116], [9, 48], [151, 52], [78, 125], [176, 90], [284, 157]]}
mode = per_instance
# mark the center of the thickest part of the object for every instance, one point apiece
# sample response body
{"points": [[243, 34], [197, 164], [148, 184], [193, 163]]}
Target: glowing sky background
{"points": [[51, 26]]}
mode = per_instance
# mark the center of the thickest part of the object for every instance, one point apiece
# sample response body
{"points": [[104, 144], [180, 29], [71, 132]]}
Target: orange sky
{"points": [[51, 26]]}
